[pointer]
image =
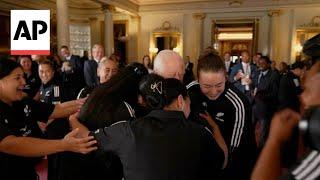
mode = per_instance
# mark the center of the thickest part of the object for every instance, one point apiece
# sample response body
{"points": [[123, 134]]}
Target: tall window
{"points": [[79, 38]]}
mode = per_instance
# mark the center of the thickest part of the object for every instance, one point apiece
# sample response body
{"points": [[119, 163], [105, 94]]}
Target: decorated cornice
{"points": [[315, 22], [199, 16], [166, 27], [274, 13]]}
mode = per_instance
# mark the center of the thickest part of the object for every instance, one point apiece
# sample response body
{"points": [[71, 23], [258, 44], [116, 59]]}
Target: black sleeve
{"points": [[214, 150], [41, 111], [307, 168], [124, 112], [213, 157], [116, 138], [4, 132], [244, 154]]}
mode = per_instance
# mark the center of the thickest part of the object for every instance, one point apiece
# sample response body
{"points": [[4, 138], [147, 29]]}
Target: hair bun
{"points": [[155, 101], [151, 89]]}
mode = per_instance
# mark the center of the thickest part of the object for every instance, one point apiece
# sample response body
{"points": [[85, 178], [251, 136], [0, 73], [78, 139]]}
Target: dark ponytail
{"points": [[106, 98], [210, 62], [151, 90]]}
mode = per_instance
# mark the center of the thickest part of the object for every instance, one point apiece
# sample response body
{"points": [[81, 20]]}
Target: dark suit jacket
{"points": [[188, 76], [266, 98], [235, 69], [90, 73], [230, 67], [289, 92], [78, 65]]}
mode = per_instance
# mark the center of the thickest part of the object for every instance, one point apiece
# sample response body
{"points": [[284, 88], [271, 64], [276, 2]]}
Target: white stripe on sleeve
{"points": [[242, 114]]}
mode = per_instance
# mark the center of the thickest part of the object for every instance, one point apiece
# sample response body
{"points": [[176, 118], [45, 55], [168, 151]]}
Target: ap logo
{"points": [[30, 32]]}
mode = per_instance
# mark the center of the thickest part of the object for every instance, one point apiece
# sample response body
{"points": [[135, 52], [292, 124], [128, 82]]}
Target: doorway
{"points": [[235, 36], [120, 31]]}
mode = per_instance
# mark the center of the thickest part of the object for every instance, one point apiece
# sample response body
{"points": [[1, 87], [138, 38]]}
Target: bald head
{"points": [[169, 64]]}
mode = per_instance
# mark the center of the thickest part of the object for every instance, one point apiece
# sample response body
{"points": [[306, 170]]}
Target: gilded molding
{"points": [[274, 13], [108, 8], [199, 16]]}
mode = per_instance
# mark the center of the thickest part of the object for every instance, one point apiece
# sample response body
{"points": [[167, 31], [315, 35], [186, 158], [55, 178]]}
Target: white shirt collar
{"points": [[245, 64], [98, 61], [265, 72], [68, 57]]}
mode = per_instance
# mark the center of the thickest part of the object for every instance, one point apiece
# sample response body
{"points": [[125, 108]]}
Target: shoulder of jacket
{"points": [[192, 85]]}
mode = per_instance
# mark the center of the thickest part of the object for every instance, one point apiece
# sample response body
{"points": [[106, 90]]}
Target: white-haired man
{"points": [[169, 64]]}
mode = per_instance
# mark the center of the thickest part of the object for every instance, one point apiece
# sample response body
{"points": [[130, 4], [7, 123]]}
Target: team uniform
{"points": [[20, 120], [33, 84], [162, 145], [51, 92], [232, 112], [307, 169]]}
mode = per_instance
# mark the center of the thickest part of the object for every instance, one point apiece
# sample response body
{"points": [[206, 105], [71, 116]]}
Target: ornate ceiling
{"points": [[93, 7], [150, 2]]}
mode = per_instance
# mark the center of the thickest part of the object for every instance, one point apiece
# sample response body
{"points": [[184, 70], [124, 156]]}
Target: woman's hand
{"points": [[282, 125], [210, 120], [217, 136], [80, 102], [75, 124], [84, 145]]}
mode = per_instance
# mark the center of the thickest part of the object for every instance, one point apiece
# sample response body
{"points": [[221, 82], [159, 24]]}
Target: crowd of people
{"points": [[100, 119]]}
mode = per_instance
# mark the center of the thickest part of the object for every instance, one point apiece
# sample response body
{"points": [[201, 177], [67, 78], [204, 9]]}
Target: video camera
{"points": [[310, 127]]}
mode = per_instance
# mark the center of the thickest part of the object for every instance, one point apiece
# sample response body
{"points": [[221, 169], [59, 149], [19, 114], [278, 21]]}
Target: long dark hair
{"points": [[105, 99], [7, 66]]}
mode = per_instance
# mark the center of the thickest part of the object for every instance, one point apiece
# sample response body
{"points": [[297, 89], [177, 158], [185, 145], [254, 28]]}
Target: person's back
{"points": [[290, 87], [163, 144]]}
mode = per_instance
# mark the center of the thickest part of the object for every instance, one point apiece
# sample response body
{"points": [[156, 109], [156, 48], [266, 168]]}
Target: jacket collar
{"points": [[165, 116]]}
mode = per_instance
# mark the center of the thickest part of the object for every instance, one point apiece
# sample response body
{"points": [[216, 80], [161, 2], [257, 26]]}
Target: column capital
{"points": [[108, 8], [199, 16], [135, 17], [92, 18], [274, 13]]}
